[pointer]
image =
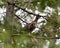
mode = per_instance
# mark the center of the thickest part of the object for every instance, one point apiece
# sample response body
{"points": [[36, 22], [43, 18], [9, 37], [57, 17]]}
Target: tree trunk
{"points": [[10, 9]]}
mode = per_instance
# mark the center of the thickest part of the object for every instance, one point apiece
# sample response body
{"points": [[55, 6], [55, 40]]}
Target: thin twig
{"points": [[21, 19], [28, 11], [44, 37], [48, 37]]}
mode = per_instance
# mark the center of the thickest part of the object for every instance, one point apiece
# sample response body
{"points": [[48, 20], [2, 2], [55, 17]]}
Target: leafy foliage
{"points": [[13, 35]]}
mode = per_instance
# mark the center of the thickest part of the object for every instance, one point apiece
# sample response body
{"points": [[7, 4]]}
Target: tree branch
{"points": [[48, 37], [22, 8], [21, 19], [28, 11], [44, 37], [39, 37]]}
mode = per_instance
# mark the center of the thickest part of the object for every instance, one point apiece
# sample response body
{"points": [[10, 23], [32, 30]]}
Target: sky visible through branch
{"points": [[19, 12]]}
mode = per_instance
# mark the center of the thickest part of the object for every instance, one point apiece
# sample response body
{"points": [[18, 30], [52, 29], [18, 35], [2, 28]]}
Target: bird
{"points": [[31, 26]]}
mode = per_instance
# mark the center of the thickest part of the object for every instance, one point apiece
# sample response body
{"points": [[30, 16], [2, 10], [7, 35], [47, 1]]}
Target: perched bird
{"points": [[31, 26]]}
